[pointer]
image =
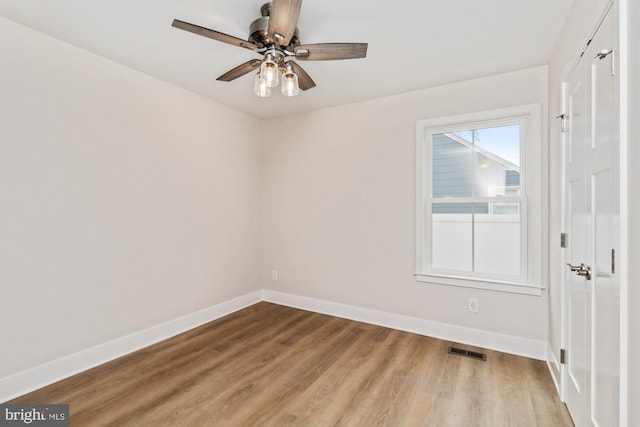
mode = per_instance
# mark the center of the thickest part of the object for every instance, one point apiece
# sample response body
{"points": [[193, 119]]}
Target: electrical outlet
{"points": [[474, 305], [274, 274]]}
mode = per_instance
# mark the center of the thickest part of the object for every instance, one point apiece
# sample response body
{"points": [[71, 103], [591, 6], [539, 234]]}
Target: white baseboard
{"points": [[32, 379], [554, 369], [475, 337]]}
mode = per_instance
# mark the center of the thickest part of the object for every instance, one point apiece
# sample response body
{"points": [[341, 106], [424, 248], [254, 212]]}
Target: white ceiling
{"points": [[413, 44]]}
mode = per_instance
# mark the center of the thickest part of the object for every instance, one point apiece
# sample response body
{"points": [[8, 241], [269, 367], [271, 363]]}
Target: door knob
{"points": [[581, 270]]}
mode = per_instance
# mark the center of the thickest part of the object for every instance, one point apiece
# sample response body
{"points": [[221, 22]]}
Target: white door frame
{"points": [[624, 34]]}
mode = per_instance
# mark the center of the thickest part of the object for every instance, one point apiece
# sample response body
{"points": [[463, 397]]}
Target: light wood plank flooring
{"points": [[269, 365]]}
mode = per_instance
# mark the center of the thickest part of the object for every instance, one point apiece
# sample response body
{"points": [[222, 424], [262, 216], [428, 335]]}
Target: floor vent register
{"points": [[468, 353]]}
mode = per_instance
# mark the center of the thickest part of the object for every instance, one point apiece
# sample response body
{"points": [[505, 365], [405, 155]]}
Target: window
{"points": [[478, 200]]}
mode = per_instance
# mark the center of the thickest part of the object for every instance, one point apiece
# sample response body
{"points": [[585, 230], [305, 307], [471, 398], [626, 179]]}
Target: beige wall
{"points": [[339, 206], [125, 202]]}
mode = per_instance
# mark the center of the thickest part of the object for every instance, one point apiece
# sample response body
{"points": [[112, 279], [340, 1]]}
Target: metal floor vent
{"points": [[468, 353]]}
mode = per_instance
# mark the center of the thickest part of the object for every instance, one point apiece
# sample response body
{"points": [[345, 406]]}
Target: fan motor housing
{"points": [[259, 31]]}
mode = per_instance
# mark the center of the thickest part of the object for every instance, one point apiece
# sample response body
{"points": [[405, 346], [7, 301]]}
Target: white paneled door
{"points": [[576, 287], [592, 223]]}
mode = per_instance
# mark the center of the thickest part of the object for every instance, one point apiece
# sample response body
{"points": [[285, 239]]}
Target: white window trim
{"points": [[530, 282]]}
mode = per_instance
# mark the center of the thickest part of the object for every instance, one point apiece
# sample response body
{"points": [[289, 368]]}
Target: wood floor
{"points": [[269, 365]]}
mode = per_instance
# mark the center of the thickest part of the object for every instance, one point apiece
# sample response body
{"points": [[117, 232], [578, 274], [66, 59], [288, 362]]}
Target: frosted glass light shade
{"points": [[290, 84], [269, 69], [260, 86]]}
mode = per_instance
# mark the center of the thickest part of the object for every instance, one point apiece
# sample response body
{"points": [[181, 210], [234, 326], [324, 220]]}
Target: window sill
{"points": [[511, 287]]}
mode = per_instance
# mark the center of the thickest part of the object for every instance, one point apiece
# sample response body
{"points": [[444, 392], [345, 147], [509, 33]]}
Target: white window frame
{"points": [[529, 280]]}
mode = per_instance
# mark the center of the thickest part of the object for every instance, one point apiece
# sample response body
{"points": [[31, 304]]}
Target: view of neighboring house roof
{"points": [[489, 154]]}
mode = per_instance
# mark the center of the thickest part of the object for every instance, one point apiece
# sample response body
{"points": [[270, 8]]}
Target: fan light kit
{"points": [[275, 37]]}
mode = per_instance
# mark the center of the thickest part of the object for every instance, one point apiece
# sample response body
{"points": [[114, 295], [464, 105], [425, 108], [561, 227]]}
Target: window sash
{"points": [[522, 275]]}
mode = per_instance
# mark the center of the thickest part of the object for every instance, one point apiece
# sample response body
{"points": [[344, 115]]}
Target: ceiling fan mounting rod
{"points": [[265, 10]]}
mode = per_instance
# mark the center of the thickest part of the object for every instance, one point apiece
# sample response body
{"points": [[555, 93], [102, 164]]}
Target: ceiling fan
{"points": [[275, 36]]}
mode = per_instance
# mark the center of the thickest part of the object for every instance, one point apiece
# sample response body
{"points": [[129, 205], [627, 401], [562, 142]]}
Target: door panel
{"points": [[602, 168], [578, 297], [605, 336]]}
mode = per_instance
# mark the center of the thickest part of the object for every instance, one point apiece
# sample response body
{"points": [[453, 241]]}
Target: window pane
{"points": [[504, 208], [502, 141], [451, 241], [476, 162], [497, 240], [476, 237], [452, 174], [452, 233], [497, 151]]}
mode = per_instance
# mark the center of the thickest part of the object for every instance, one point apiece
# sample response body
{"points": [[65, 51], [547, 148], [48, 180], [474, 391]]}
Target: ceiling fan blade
{"points": [[240, 70], [304, 80], [212, 34], [330, 51], [283, 19]]}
